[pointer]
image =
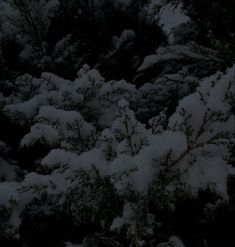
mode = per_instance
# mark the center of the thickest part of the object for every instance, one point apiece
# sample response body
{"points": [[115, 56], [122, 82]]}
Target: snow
{"points": [[209, 173], [145, 166], [27, 54], [8, 193], [127, 214], [172, 16], [58, 158], [37, 184], [52, 114], [108, 97], [56, 116], [173, 242], [192, 108], [7, 171], [52, 82], [178, 52], [151, 60], [173, 135], [42, 133], [69, 244], [87, 78], [135, 150], [126, 36], [28, 108]]}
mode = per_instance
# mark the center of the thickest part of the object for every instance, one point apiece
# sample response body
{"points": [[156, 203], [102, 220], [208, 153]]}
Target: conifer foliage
{"points": [[117, 124]]}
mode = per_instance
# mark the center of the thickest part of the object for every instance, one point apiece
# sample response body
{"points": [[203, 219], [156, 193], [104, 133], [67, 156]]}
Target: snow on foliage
{"points": [[173, 242], [172, 16], [128, 149], [178, 53], [69, 244], [100, 148]]}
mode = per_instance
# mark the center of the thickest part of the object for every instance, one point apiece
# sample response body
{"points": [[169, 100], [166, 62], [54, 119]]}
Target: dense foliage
{"points": [[117, 123]]}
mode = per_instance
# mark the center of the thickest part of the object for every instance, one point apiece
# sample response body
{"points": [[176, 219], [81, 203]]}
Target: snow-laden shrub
{"points": [[108, 169], [164, 94], [88, 94]]}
